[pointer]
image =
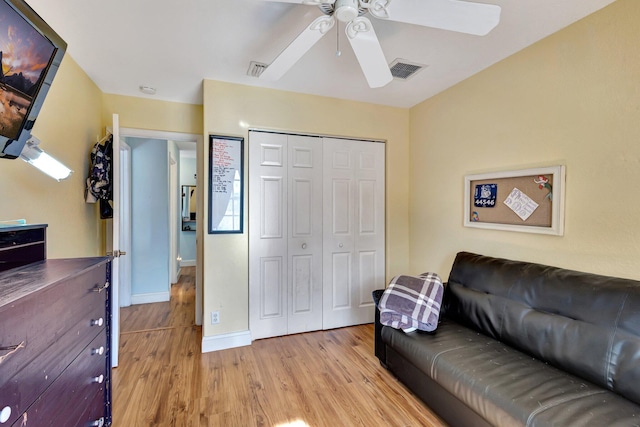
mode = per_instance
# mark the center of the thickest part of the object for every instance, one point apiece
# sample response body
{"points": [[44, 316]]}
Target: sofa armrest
{"points": [[379, 347]]}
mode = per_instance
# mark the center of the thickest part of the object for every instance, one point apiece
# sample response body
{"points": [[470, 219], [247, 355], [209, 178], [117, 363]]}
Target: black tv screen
{"points": [[30, 54]]}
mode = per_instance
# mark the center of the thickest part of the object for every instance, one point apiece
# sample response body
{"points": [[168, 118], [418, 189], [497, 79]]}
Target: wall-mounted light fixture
{"points": [[34, 155]]}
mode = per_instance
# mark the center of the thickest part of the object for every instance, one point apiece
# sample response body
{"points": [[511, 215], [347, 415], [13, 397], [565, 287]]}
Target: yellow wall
{"points": [[230, 109], [68, 125], [150, 114], [572, 98], [71, 120]]}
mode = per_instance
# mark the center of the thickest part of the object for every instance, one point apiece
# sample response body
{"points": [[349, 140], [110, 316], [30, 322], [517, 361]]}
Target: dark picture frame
{"points": [[226, 184]]}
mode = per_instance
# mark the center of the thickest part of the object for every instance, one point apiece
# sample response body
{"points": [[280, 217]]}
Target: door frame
{"points": [[125, 225], [182, 137], [173, 219]]}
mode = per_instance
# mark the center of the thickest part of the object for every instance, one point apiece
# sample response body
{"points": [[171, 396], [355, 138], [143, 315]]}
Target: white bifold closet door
{"points": [[316, 232], [354, 239], [285, 234]]}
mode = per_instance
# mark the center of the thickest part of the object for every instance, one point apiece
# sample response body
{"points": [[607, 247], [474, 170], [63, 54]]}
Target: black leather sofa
{"points": [[522, 344]]}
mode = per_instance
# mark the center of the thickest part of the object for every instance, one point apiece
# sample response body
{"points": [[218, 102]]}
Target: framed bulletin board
{"points": [[528, 200], [226, 162]]}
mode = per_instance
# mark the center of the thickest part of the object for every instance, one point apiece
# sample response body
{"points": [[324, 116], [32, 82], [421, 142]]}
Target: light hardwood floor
{"points": [[327, 378]]}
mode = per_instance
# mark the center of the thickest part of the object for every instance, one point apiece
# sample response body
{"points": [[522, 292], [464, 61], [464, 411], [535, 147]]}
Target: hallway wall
{"points": [[150, 235]]}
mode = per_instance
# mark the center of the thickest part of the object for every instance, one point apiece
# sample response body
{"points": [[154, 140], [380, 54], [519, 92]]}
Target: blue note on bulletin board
{"points": [[485, 195]]}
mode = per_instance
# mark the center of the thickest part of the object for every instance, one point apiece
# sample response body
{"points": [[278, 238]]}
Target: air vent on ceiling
{"points": [[403, 70], [256, 68]]}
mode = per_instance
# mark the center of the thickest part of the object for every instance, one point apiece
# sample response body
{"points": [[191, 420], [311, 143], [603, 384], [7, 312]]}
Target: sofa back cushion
{"points": [[585, 324]]}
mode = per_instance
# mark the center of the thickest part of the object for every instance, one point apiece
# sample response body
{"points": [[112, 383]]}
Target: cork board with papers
{"points": [[527, 200]]}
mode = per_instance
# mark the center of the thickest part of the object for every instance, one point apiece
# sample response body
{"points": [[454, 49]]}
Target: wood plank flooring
{"points": [[326, 378]]}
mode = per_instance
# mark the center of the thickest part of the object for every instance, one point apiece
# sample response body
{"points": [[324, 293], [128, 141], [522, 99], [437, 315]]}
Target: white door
{"points": [[268, 243], [354, 221], [285, 234], [305, 234], [113, 244], [124, 199]]}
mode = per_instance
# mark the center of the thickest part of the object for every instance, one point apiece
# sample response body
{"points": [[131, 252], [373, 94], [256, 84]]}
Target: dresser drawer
{"points": [[76, 395], [50, 328]]}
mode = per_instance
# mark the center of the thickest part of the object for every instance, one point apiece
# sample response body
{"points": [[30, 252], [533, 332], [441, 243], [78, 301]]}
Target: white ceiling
{"points": [[173, 45]]}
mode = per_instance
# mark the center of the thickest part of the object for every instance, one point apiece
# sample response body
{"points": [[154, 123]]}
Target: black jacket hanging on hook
{"points": [[99, 182]]}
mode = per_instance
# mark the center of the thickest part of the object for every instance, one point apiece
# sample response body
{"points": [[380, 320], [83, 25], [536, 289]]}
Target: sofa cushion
{"points": [[505, 386], [585, 324]]}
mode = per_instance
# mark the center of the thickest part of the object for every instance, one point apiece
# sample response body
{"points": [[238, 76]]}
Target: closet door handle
{"points": [[304, 246]]}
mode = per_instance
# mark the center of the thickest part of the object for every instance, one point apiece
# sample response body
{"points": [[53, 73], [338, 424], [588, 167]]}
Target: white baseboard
{"points": [[149, 298], [226, 341], [188, 263]]}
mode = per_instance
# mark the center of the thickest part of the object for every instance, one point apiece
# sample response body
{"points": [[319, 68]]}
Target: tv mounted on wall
{"points": [[30, 54]]}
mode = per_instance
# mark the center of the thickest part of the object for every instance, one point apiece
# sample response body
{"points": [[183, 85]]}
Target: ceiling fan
{"points": [[453, 15]]}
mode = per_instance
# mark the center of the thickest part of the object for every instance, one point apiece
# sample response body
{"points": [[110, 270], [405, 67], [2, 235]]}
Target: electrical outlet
{"points": [[215, 317]]}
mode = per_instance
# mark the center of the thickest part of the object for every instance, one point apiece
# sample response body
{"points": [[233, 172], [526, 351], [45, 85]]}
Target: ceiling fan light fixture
{"points": [[346, 10]]}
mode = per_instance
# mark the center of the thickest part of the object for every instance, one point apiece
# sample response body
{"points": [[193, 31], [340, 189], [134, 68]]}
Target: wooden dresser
{"points": [[54, 344]]}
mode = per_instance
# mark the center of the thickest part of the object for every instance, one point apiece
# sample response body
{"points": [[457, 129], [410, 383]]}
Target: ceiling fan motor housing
{"points": [[346, 10]]}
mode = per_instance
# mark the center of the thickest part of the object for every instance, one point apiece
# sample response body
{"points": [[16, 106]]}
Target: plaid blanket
{"points": [[412, 302]]}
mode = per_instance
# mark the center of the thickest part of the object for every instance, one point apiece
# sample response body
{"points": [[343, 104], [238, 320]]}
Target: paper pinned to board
{"points": [[521, 204]]}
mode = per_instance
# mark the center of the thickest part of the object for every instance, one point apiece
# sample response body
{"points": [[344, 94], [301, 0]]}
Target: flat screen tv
{"points": [[30, 54]]}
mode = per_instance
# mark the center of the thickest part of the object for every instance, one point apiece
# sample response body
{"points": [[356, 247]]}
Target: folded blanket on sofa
{"points": [[412, 302]]}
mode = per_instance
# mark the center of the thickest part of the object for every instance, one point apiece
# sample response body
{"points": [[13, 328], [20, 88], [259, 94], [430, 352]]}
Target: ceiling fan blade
{"points": [[298, 47], [368, 51], [454, 15]]}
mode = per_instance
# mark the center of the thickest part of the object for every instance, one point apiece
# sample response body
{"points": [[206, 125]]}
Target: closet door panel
{"points": [[367, 207], [370, 238], [341, 207], [271, 202], [302, 268], [305, 234], [354, 229], [341, 282], [367, 266], [271, 289], [302, 199], [339, 238], [268, 258]]}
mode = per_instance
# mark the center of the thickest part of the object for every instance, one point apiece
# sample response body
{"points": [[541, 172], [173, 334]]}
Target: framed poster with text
{"points": [[226, 154]]}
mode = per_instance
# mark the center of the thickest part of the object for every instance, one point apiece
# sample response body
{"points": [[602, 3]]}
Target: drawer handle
{"points": [[96, 423], [99, 379], [99, 351], [99, 288], [97, 322], [5, 414], [11, 349]]}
